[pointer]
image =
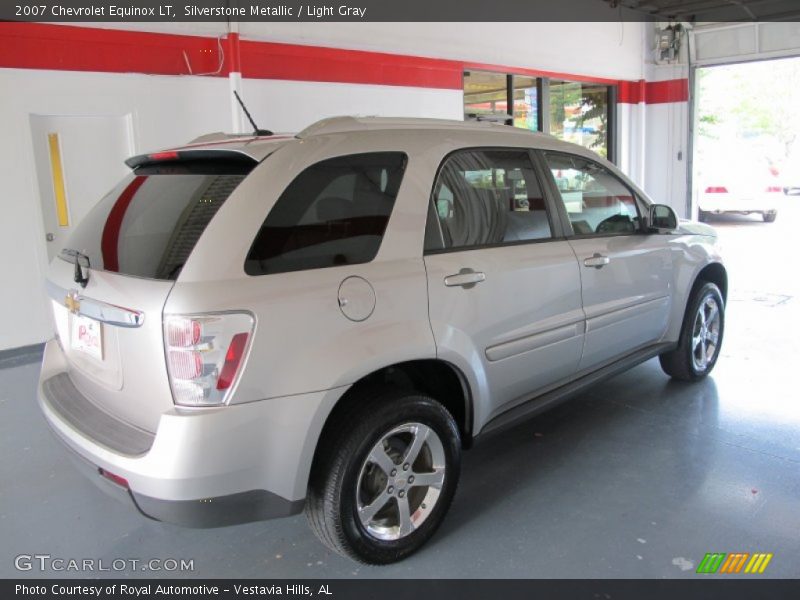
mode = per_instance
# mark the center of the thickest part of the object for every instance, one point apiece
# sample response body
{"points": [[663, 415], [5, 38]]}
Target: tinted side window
{"points": [[333, 213], [597, 202], [488, 197]]}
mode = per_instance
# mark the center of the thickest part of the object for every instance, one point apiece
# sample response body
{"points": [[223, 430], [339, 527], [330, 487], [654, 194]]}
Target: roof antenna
{"points": [[256, 130]]}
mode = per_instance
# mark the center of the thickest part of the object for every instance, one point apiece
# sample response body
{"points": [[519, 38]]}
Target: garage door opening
{"points": [[746, 167], [746, 141]]}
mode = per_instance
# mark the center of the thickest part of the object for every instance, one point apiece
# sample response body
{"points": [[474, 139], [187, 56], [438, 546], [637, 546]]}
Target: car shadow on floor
{"points": [[562, 449]]}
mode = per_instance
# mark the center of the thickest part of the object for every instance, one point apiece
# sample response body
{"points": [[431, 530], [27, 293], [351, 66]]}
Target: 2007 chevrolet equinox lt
{"points": [[249, 327]]}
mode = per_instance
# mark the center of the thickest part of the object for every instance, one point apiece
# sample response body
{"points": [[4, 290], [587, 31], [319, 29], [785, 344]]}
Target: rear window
{"points": [[333, 213], [149, 224]]}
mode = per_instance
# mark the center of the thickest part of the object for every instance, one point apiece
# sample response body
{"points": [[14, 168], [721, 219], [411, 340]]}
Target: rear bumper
{"points": [[725, 203], [200, 468]]}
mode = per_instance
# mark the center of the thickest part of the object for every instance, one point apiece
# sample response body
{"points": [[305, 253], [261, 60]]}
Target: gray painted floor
{"points": [[639, 478]]}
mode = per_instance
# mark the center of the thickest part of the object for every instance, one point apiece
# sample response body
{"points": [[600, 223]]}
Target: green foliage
{"points": [[589, 106], [750, 101]]}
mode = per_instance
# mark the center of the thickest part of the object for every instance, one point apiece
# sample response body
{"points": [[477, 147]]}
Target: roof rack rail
{"points": [[331, 125], [348, 123], [218, 136]]}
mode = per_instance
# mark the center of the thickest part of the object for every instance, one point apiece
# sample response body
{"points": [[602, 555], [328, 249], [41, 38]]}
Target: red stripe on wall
{"points": [[653, 92], [109, 242], [672, 90], [631, 92], [67, 48], [234, 53], [267, 60]]}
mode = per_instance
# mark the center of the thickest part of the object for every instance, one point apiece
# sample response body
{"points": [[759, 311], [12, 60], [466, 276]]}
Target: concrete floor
{"points": [[638, 478]]}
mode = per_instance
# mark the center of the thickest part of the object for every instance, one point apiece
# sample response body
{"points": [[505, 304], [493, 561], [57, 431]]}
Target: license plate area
{"points": [[87, 337]]}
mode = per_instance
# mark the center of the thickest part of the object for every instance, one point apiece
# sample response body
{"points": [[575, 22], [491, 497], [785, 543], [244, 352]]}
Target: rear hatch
{"points": [[130, 249]]}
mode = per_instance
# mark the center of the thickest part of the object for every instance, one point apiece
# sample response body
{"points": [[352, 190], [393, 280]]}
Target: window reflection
{"points": [[526, 103], [579, 114], [486, 96]]}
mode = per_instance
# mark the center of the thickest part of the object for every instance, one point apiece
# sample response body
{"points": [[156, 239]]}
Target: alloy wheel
{"points": [[705, 333], [400, 481]]}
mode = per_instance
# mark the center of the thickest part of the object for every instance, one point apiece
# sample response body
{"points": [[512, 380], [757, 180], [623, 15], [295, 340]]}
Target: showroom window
{"points": [[526, 102], [578, 112], [486, 96], [502, 98]]}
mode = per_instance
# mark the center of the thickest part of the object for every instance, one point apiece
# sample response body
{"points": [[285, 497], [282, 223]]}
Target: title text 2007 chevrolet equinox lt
{"points": [[249, 327]]}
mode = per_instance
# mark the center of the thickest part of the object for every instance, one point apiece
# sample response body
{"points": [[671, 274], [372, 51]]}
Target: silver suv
{"points": [[250, 327]]}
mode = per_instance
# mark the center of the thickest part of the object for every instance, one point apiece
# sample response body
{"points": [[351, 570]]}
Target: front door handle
{"points": [[598, 261], [466, 278]]}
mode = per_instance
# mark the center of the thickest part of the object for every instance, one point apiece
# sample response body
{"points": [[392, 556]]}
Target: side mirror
{"points": [[662, 218]]}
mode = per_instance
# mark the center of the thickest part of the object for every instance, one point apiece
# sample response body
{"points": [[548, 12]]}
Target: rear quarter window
{"points": [[333, 213]]}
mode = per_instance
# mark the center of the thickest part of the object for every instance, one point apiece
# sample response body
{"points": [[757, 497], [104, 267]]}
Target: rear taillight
{"points": [[716, 189], [774, 189], [205, 354]]}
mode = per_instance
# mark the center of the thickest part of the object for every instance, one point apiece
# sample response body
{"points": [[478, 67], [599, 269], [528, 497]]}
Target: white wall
{"points": [[166, 111], [289, 106]]}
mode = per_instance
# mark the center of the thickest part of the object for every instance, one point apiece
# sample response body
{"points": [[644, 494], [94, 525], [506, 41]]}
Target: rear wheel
{"points": [[701, 336], [769, 217], [385, 477], [702, 216]]}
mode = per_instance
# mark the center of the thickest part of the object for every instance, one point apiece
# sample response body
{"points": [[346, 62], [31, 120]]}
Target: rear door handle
{"points": [[598, 261], [466, 278]]}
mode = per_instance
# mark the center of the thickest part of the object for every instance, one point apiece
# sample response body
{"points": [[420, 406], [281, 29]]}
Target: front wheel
{"points": [[701, 336], [384, 477], [769, 217]]}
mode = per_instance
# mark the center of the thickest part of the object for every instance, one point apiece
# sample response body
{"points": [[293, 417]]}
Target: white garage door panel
{"points": [[716, 45]]}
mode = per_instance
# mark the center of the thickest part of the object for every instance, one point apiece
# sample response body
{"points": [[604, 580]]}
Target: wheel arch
{"points": [[714, 273], [434, 377]]}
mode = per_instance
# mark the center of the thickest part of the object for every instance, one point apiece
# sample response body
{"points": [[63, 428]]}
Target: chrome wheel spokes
{"points": [[400, 481], [705, 333]]}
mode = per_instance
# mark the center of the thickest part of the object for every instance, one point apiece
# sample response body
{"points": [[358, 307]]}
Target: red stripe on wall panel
{"points": [[267, 60], [234, 52], [653, 92], [66, 48], [672, 90], [631, 92]]}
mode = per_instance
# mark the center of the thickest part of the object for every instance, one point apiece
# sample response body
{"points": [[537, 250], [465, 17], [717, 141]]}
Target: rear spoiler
{"points": [[168, 156]]}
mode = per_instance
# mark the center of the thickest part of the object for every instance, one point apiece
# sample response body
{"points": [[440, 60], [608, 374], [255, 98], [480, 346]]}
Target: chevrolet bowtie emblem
{"points": [[72, 303]]}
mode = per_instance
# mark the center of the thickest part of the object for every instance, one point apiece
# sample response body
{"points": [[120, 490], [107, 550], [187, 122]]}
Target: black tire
{"points": [[769, 217], [702, 216], [331, 504], [679, 363]]}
